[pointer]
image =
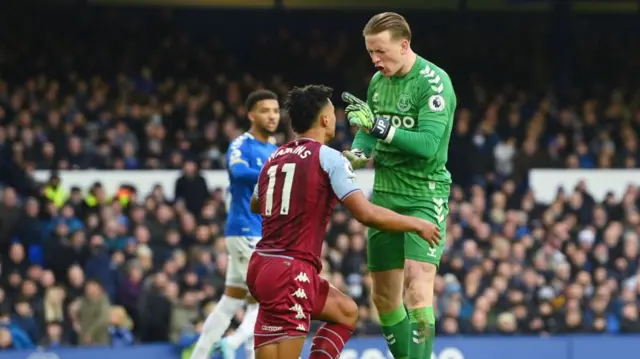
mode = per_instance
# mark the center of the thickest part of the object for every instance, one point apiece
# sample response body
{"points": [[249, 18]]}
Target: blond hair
{"points": [[124, 321], [393, 22], [53, 304]]}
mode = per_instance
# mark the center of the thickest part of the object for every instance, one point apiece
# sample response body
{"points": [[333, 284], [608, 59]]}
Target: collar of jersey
{"points": [[306, 139]]}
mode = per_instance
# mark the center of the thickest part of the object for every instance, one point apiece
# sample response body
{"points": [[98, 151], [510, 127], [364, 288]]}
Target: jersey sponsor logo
{"points": [[404, 102], [436, 103], [403, 122]]}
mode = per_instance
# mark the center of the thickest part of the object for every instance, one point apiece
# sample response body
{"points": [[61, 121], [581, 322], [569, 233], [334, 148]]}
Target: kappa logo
{"points": [[297, 308], [299, 293], [301, 328], [302, 277], [404, 103]]}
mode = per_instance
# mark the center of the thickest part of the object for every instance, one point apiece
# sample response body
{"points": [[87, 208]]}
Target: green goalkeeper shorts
{"points": [[388, 250]]}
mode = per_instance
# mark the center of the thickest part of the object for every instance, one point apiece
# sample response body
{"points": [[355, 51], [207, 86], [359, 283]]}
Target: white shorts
{"points": [[240, 249]]}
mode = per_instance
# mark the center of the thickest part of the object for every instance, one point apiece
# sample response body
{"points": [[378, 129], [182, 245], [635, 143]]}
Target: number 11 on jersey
{"points": [[289, 170]]}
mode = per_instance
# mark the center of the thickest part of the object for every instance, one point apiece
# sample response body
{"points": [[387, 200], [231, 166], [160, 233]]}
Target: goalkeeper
{"points": [[407, 121]]}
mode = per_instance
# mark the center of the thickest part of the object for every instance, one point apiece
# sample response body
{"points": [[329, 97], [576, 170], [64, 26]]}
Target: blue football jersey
{"points": [[245, 158]]}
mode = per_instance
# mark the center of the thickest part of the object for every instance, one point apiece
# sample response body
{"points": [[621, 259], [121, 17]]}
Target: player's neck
{"points": [[314, 134], [262, 137], [412, 57]]}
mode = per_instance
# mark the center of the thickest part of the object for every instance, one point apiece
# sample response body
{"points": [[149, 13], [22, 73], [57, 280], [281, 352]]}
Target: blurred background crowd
{"points": [[157, 89]]}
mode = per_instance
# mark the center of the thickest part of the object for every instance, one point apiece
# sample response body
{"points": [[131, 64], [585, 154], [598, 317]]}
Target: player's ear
{"points": [[405, 46], [250, 116], [324, 120]]}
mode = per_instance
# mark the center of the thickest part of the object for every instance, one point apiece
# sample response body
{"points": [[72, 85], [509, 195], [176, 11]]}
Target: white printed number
{"points": [[397, 121], [289, 170]]}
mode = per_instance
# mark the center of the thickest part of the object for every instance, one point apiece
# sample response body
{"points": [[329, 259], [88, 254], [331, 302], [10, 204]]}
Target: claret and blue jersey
{"points": [[245, 158]]}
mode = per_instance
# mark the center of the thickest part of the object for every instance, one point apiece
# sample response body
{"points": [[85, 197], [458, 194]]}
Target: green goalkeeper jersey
{"points": [[421, 106]]}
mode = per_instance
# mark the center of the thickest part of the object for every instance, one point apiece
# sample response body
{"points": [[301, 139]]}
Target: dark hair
{"points": [[257, 96], [391, 21], [304, 103]]}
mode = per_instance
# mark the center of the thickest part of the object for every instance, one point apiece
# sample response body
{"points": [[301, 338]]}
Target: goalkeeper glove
{"points": [[356, 157], [359, 114]]}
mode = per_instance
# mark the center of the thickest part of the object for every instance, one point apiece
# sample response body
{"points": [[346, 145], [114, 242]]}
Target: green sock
{"points": [[395, 327], [422, 322]]}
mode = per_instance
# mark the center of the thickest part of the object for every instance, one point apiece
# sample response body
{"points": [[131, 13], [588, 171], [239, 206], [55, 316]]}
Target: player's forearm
{"points": [[387, 220], [244, 173], [424, 143], [365, 142]]}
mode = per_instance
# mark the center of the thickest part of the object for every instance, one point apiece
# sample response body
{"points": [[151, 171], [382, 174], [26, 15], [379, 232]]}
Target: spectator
{"points": [[93, 316], [120, 328], [9, 214], [184, 312], [192, 188], [11, 335], [54, 336]]}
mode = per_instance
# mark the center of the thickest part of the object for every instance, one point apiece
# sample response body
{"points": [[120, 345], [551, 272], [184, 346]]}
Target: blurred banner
{"points": [[600, 182], [189, 3], [387, 4], [565, 347]]}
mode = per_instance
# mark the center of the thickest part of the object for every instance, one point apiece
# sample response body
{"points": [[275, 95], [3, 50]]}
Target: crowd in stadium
{"points": [[93, 268]]}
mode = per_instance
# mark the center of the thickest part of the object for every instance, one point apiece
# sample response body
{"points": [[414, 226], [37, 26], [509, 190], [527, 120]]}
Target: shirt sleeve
{"points": [[434, 113], [238, 163], [341, 175], [364, 142]]}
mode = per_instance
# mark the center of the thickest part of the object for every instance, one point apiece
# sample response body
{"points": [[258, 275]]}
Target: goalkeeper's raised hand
{"points": [[356, 157], [359, 114]]}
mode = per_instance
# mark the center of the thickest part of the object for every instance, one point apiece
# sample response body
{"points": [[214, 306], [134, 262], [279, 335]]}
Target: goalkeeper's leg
{"points": [[421, 266], [385, 261]]}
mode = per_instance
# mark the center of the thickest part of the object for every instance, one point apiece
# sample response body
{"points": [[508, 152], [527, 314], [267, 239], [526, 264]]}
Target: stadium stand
{"points": [[165, 89]]}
